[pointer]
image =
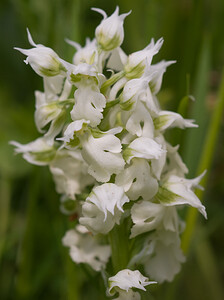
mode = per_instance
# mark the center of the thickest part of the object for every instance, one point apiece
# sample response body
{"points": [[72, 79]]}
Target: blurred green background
{"points": [[33, 263]]}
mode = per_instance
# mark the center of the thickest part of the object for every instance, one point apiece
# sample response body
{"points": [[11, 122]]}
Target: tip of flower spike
{"points": [[100, 11], [73, 44], [126, 14], [159, 44], [30, 39], [23, 51]]}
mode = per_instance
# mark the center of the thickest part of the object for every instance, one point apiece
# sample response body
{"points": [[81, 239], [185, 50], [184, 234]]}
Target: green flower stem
{"points": [[73, 281], [112, 80], [205, 163], [119, 241]]}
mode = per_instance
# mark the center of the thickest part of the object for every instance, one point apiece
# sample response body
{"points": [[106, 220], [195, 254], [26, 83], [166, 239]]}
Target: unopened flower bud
{"points": [[137, 61], [43, 60], [110, 32]]}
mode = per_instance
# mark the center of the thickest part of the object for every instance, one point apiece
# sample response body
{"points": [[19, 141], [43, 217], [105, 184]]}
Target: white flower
{"points": [[169, 119], [139, 121], [103, 208], [158, 165], [174, 163], [148, 216], [51, 103], [158, 70], [166, 257], [70, 173], [39, 152], [117, 59], [137, 90], [137, 180], [43, 60], [127, 279], [83, 74], [84, 248], [143, 147], [56, 88], [178, 190], [73, 132], [103, 155], [86, 54], [137, 61], [89, 104], [110, 32]]}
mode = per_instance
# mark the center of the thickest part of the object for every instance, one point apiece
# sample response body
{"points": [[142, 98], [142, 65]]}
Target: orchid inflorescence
{"points": [[103, 140]]}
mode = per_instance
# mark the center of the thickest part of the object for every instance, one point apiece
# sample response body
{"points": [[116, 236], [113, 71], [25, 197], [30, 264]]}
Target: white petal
{"points": [[168, 119], [70, 173], [117, 59], [110, 32], [127, 279], [144, 148], [165, 261], [38, 152], [89, 104], [174, 163], [148, 216], [177, 191], [103, 208], [103, 156], [137, 180], [158, 70], [140, 122], [43, 60], [80, 245], [159, 164]]}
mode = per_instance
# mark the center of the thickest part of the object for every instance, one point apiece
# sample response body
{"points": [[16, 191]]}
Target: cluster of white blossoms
{"points": [[103, 140]]}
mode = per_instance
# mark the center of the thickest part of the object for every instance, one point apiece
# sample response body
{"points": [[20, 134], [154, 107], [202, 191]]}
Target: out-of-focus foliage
{"points": [[33, 263]]}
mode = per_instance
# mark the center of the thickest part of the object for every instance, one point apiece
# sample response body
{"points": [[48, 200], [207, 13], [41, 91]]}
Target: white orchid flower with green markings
{"points": [[125, 280], [73, 133], [104, 139], [87, 54], [169, 119], [175, 190], [103, 208], [82, 74], [53, 107], [39, 152], [138, 61], [110, 32], [43, 60]]}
